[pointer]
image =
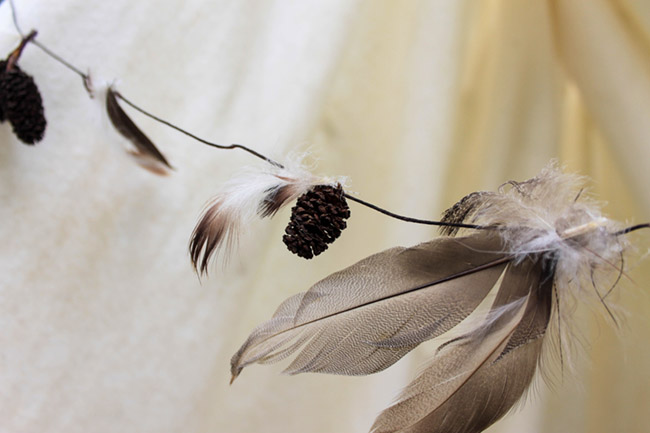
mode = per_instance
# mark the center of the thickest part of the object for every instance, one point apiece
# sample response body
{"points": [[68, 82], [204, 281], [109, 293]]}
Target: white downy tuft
{"points": [[551, 214]]}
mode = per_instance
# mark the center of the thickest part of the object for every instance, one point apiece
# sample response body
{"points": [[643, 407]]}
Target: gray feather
{"points": [[363, 319]]}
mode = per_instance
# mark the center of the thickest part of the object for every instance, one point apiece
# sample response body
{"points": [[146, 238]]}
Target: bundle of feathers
{"points": [[491, 295]]}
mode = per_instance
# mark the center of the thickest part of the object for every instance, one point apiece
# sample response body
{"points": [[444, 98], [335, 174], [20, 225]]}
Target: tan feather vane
{"points": [[541, 245]]}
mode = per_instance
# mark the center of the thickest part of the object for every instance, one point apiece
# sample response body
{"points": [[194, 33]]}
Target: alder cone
{"points": [[317, 220], [3, 67], [21, 104]]}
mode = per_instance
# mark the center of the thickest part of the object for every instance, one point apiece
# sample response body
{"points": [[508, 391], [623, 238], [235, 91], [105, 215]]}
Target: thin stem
{"points": [[413, 220], [559, 325], [14, 17], [61, 60], [84, 76], [620, 274], [632, 228], [199, 139]]}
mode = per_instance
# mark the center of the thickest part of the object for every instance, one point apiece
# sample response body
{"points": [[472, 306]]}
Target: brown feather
{"points": [[145, 153], [477, 379], [363, 319], [207, 237], [275, 199]]}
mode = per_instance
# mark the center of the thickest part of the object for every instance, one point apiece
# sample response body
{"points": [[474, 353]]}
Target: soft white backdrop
{"points": [[104, 327]]}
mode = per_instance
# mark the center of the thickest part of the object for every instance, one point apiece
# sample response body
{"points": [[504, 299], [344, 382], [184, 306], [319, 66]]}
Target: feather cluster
{"points": [[256, 193], [488, 293], [551, 215]]}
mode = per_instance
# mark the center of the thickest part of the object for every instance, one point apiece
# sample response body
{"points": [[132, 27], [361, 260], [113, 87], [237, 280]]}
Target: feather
{"points": [[275, 198], [144, 151], [363, 319], [253, 193]]}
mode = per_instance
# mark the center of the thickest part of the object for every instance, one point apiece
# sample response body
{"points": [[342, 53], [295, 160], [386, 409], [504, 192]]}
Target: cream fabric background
{"points": [[105, 327]]}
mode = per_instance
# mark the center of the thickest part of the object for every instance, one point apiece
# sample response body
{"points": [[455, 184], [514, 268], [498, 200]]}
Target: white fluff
{"points": [[553, 215]]}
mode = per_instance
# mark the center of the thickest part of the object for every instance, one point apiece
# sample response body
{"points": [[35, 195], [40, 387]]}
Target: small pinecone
{"points": [[3, 68], [317, 219], [21, 104]]}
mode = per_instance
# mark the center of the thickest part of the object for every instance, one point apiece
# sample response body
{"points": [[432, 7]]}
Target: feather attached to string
{"points": [[145, 153], [540, 244], [255, 193]]}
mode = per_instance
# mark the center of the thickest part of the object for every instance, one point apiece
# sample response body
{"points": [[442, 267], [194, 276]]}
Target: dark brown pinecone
{"points": [[3, 68], [22, 105], [317, 220]]}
